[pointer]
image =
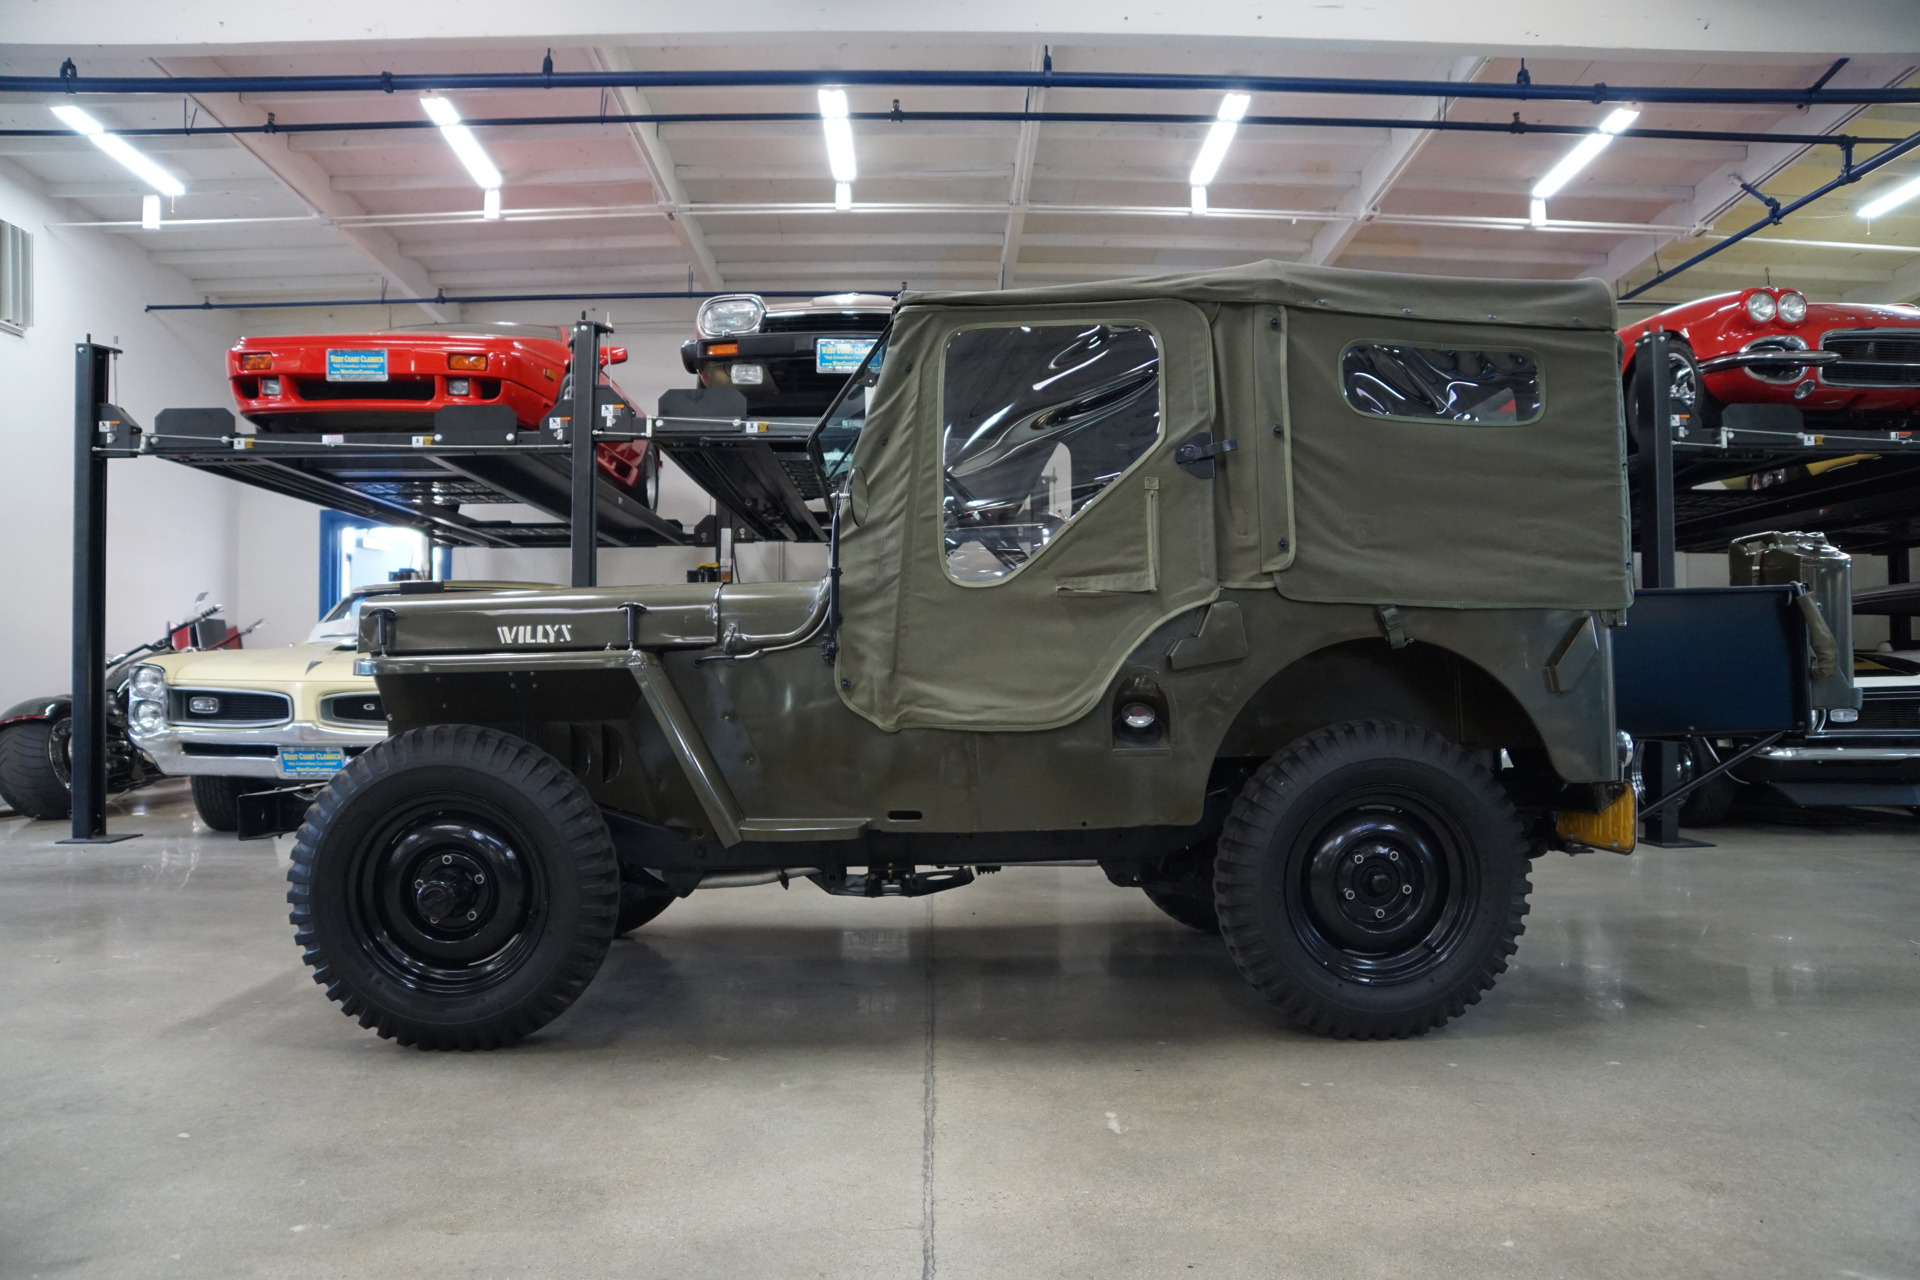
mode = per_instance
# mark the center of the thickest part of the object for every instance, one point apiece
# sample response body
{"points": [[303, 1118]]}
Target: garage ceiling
{"points": [[965, 204]]}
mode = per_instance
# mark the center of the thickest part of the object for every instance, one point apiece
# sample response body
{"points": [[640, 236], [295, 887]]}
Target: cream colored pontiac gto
{"points": [[239, 720]]}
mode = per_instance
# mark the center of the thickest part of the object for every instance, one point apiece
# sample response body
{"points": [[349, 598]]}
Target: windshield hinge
{"points": [[1199, 450]]}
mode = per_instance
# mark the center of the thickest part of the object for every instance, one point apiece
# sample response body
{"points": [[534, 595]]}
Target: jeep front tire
{"points": [[454, 888], [1372, 880]]}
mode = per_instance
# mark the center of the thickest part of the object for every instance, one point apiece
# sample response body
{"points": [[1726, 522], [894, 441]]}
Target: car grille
{"points": [[402, 389], [1881, 347], [354, 708], [229, 707], [825, 322], [1889, 712]]}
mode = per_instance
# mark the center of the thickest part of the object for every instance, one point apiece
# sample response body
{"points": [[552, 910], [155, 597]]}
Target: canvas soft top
{"points": [[1560, 304]]}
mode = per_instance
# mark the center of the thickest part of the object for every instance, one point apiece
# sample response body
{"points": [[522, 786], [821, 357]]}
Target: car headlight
{"points": [[149, 682], [1760, 307], [1793, 307], [733, 313], [149, 717]]}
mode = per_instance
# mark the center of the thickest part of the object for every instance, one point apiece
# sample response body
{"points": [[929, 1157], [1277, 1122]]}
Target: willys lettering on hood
{"points": [[558, 633]]}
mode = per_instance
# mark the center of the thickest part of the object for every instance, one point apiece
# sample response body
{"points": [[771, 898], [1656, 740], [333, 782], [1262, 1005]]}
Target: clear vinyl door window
{"points": [[1038, 420]]}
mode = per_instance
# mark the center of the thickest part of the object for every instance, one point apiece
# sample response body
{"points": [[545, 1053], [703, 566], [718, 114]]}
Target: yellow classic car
{"points": [[240, 720]]}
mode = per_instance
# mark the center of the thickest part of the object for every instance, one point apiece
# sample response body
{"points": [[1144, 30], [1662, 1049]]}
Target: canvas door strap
{"points": [[1391, 623]]}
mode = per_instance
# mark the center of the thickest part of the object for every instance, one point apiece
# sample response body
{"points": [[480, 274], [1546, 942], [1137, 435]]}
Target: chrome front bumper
{"points": [[1841, 753], [187, 750]]}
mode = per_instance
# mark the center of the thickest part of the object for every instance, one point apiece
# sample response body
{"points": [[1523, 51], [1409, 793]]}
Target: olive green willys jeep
{"points": [[1279, 593]]}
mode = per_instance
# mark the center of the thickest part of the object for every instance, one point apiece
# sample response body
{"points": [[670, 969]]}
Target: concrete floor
{"points": [[1704, 1063]]}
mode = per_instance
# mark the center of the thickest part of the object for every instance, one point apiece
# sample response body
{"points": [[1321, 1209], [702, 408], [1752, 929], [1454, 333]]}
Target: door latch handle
{"points": [[1198, 451]]}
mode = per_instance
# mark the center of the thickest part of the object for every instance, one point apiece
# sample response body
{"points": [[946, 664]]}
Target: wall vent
{"points": [[16, 278]]}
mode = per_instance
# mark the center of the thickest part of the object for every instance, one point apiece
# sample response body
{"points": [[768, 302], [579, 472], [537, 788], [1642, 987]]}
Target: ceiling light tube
{"points": [[1199, 204], [490, 204], [843, 196], [839, 131], [1583, 153], [150, 173], [1891, 200], [1537, 212], [149, 213], [1219, 137], [467, 147]]}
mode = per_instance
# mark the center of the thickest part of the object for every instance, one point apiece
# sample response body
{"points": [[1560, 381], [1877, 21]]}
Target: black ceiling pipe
{"points": [[386, 82], [439, 298], [936, 117]]}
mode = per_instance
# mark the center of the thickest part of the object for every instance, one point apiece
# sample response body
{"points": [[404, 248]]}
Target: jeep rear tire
{"points": [[217, 799], [1372, 880], [454, 888], [31, 780]]}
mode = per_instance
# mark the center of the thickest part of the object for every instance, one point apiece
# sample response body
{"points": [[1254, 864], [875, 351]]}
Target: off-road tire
{"points": [[1362, 818], [29, 782], [638, 905], [217, 799], [493, 834]]}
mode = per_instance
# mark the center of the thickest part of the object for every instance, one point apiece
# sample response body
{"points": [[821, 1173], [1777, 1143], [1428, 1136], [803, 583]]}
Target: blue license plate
{"points": [[840, 355], [312, 762], [356, 366]]}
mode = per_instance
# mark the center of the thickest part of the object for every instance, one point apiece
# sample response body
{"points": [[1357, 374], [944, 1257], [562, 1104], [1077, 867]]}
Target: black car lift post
{"points": [[584, 407], [95, 424], [1660, 758]]}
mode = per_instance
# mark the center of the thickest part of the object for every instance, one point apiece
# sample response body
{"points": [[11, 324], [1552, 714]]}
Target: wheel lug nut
{"points": [[1393, 855], [1379, 913], [433, 919], [1406, 888], [419, 884], [1359, 857], [1348, 892], [479, 877], [447, 858], [473, 915]]}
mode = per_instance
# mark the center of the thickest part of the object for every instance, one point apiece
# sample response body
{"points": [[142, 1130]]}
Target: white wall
{"points": [[170, 530]]}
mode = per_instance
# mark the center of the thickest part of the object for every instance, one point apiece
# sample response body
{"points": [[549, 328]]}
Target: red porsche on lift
{"points": [[1838, 363], [394, 380]]}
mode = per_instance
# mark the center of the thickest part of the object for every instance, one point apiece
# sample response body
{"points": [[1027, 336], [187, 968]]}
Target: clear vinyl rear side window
{"points": [[1037, 421], [1441, 384]]}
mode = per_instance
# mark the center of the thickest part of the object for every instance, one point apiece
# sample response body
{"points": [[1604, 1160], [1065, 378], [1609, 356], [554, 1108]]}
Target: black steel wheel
{"points": [[33, 768], [454, 888], [638, 905], [1372, 880], [217, 799]]}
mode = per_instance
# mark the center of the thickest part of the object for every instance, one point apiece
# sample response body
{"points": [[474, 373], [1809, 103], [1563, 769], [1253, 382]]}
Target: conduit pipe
{"points": [[70, 81]]}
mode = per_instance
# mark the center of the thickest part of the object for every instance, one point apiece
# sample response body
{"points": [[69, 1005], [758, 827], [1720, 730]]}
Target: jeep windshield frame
{"points": [[862, 379]]}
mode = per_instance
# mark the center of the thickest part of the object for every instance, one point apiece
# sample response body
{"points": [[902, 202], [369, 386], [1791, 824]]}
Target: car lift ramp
{"points": [[473, 455], [758, 470]]}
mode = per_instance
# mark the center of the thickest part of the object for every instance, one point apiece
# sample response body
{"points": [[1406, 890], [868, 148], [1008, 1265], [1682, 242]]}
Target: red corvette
{"points": [[395, 380], [1836, 362]]}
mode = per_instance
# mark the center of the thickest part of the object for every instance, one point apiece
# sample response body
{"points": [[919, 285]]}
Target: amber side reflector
{"points": [[464, 360], [1612, 828], [723, 348], [256, 362]]}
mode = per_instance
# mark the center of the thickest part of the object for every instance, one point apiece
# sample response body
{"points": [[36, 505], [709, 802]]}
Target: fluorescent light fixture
{"points": [[443, 113], [1537, 212], [1891, 200], [1199, 200], [1583, 153], [149, 213], [843, 196], [150, 173], [1219, 137], [490, 204], [839, 131]]}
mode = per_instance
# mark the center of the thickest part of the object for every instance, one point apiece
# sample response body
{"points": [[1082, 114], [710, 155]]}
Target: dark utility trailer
{"points": [[474, 455]]}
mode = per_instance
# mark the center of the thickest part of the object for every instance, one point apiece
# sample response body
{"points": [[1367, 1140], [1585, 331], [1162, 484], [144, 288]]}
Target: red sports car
{"points": [[1836, 362], [394, 380]]}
